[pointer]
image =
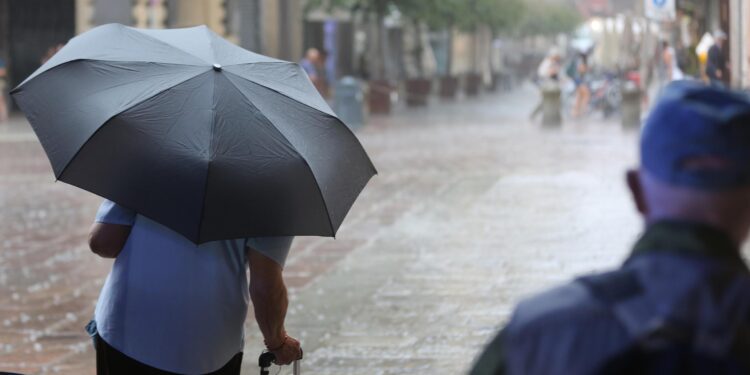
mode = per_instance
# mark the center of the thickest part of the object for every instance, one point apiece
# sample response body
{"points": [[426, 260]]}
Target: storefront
{"points": [[27, 34]]}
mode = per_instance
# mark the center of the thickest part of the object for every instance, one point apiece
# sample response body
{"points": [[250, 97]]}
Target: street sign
{"points": [[661, 10]]}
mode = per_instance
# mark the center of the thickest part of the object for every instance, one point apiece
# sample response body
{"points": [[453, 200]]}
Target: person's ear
{"points": [[633, 179]]}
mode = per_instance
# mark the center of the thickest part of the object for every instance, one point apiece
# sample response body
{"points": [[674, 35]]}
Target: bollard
{"points": [[551, 105], [349, 102], [631, 106]]}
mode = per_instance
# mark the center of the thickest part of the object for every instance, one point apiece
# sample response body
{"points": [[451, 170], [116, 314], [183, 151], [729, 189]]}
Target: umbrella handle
{"points": [[266, 359]]}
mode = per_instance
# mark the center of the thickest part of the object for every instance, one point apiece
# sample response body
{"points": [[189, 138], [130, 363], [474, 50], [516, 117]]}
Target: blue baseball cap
{"points": [[698, 136]]}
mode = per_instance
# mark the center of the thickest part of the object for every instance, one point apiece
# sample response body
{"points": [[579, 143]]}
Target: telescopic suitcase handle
{"points": [[266, 359]]}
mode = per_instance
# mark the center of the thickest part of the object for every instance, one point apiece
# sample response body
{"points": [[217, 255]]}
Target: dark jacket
{"points": [[681, 273]]}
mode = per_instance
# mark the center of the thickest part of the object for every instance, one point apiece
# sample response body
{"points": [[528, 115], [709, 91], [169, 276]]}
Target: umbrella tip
{"points": [[217, 67]]}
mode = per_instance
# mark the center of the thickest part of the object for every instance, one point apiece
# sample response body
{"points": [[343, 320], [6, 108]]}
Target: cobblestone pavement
{"points": [[473, 209]]}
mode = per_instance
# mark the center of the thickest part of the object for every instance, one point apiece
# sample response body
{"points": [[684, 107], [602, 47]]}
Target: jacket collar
{"points": [[687, 238]]}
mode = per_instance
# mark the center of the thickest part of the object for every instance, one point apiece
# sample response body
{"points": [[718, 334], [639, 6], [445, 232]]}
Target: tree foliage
{"points": [[501, 16], [548, 18]]}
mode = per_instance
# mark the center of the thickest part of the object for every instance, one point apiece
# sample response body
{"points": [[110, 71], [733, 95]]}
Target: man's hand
{"points": [[288, 351], [107, 240]]}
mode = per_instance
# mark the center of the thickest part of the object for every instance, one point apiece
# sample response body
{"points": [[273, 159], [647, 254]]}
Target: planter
{"points": [[494, 82], [448, 87], [380, 97], [418, 91], [472, 84]]}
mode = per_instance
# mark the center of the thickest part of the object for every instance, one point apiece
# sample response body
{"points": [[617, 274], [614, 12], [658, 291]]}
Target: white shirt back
{"points": [[175, 305]]}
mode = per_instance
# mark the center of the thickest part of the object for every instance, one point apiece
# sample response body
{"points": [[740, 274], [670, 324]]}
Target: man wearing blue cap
{"points": [[680, 304]]}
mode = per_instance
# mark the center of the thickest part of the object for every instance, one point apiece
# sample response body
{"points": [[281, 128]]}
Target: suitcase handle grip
{"points": [[266, 359]]}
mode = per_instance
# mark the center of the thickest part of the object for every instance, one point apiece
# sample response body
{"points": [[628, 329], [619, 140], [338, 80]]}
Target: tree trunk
{"points": [[449, 52], [379, 53], [474, 51], [418, 49], [490, 57]]}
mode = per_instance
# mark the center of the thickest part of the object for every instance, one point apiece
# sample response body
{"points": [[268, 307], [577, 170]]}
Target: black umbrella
{"points": [[202, 136]]}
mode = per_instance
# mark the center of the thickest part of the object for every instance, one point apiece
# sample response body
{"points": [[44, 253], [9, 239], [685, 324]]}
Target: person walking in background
{"points": [[3, 100], [680, 304], [547, 73], [314, 66], [171, 306], [322, 72], [717, 69], [669, 58], [583, 92]]}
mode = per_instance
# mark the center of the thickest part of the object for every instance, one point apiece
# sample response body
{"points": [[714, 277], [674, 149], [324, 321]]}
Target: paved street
{"points": [[473, 209]]}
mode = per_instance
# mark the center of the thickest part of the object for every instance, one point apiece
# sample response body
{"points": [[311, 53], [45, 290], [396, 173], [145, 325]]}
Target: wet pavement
{"points": [[474, 208]]}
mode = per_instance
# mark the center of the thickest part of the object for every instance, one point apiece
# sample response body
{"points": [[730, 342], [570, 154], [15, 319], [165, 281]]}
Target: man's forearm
{"points": [[270, 304]]}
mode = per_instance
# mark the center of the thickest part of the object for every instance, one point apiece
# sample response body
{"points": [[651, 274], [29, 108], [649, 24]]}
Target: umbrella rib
{"points": [[210, 158], [309, 168], [63, 64], [170, 46], [315, 109], [276, 91], [83, 145], [210, 44]]}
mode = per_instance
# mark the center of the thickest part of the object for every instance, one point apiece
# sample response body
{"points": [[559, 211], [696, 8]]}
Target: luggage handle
{"points": [[266, 359]]}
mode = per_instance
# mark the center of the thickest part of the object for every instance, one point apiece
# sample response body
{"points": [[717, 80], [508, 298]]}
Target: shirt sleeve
{"points": [[275, 248], [111, 213]]}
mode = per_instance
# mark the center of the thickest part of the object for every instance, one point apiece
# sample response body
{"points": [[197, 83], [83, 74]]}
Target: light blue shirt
{"points": [[175, 305]]}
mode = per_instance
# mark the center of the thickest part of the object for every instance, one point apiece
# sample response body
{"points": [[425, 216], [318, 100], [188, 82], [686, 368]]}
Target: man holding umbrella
{"points": [[172, 305], [216, 157]]}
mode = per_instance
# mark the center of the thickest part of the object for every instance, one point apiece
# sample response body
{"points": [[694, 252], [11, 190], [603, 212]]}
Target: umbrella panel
{"points": [[202, 160]]}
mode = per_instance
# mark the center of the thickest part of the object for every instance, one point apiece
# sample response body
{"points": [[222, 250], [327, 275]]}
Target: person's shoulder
{"points": [[582, 301], [542, 328], [564, 304]]}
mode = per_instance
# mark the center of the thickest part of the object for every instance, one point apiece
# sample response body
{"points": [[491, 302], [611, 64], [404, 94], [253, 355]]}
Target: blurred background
{"points": [[500, 128]]}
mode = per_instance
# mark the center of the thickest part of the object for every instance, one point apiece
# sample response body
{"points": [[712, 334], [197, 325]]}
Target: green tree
{"points": [[498, 16], [439, 15], [548, 19]]}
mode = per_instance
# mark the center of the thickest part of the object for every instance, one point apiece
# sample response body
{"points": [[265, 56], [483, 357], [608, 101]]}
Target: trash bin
{"points": [[551, 105], [631, 106], [349, 102]]}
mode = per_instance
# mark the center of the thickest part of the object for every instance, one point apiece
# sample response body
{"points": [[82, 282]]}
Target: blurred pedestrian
{"points": [[548, 73], [322, 72], [314, 65], [669, 59], [717, 68], [680, 304], [51, 51], [580, 74], [171, 306], [3, 100]]}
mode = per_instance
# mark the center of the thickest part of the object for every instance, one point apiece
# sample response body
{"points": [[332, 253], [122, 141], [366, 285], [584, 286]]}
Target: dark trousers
{"points": [[109, 361]]}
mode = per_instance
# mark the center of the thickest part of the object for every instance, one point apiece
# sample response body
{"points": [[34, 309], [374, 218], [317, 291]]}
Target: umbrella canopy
{"points": [[202, 136]]}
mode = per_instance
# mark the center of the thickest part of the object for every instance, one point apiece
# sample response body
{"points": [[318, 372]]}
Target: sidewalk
{"points": [[473, 208]]}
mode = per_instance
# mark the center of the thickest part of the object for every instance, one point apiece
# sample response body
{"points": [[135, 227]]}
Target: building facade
{"points": [[31, 28]]}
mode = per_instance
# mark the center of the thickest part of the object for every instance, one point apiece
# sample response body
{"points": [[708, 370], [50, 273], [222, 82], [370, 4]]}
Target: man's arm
{"points": [[111, 229], [107, 240], [269, 295]]}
